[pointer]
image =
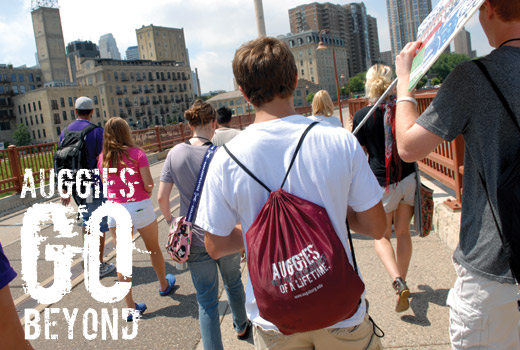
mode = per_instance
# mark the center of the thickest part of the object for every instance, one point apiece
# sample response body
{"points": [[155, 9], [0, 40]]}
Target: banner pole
{"points": [[387, 92]]}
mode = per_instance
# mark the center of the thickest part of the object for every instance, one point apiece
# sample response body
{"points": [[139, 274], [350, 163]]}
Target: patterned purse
{"points": [[179, 237], [423, 208]]}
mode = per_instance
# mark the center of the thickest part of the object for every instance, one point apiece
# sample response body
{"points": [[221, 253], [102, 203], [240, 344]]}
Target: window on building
{"points": [[58, 130], [116, 76], [22, 89], [34, 135], [95, 100], [1, 89], [64, 113], [29, 106], [26, 122], [31, 119], [24, 109], [21, 78], [34, 106], [62, 102], [32, 87], [15, 89], [39, 106], [44, 133], [54, 105], [19, 110], [13, 78], [72, 115], [39, 135], [97, 113], [56, 118], [41, 118], [71, 102], [31, 77]]}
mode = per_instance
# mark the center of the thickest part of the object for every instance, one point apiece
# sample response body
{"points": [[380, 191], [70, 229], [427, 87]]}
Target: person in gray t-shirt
{"points": [[182, 167], [224, 133], [483, 302]]}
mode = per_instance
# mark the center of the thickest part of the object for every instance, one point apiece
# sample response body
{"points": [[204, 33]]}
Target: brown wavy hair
{"points": [[265, 69], [200, 113], [117, 139]]}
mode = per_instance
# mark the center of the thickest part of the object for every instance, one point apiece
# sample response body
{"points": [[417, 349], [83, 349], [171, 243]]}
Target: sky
{"points": [[213, 29]]}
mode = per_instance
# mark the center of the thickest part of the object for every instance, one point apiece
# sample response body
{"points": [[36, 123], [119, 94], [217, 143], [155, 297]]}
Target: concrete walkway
{"points": [[172, 322]]}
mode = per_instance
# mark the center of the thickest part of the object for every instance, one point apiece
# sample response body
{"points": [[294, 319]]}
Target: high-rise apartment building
{"points": [[77, 50], [373, 40], [404, 18], [349, 22], [108, 47], [462, 43], [162, 44], [132, 53], [49, 42], [317, 66], [13, 82]]}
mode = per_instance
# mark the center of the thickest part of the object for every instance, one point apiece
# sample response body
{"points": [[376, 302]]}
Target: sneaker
{"points": [[247, 332], [140, 308], [171, 282], [403, 293], [105, 269]]}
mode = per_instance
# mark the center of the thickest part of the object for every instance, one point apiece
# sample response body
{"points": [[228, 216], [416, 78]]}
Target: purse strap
{"points": [[285, 178], [512, 115], [200, 182]]}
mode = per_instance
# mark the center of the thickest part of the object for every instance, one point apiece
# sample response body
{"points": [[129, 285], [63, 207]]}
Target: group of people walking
{"points": [[330, 169]]}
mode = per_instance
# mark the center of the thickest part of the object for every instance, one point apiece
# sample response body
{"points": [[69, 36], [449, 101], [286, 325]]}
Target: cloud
{"points": [[213, 29]]}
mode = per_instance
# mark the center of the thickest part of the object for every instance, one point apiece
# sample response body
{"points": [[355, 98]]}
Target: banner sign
{"points": [[437, 31]]}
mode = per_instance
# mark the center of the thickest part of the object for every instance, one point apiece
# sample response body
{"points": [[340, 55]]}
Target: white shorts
{"points": [[141, 212], [483, 313], [402, 192]]}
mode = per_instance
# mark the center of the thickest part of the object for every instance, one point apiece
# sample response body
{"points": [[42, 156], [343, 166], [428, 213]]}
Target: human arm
{"points": [[219, 246], [414, 142], [146, 175], [163, 198], [371, 222], [11, 331]]}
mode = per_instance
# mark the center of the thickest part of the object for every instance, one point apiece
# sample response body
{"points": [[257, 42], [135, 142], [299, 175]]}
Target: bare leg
{"points": [[403, 216], [129, 299], [385, 251], [150, 235]]}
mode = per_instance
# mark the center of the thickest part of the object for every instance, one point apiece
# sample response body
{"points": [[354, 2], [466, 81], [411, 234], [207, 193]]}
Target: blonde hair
{"points": [[378, 79], [117, 138], [322, 104]]}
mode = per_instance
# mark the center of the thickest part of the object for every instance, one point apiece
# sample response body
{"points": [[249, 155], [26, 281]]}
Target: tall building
{"points": [[13, 82], [49, 42], [349, 22], [162, 44], [108, 47], [386, 58], [77, 50], [373, 40], [317, 66], [132, 53], [462, 43], [404, 18]]}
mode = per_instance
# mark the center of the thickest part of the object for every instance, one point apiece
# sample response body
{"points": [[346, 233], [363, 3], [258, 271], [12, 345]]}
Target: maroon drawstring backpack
{"points": [[300, 273]]}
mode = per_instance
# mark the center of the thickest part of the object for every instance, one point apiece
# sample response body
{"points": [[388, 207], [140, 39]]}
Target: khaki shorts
{"points": [[357, 337], [402, 192]]}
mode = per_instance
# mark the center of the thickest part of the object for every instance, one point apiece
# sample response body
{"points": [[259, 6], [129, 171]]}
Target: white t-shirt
{"points": [[332, 120], [330, 170]]}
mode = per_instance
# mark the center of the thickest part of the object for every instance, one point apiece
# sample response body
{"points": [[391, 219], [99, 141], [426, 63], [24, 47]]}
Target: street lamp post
{"points": [[321, 46]]}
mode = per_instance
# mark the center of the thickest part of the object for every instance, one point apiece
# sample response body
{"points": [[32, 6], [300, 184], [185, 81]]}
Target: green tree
{"points": [[445, 64], [422, 82], [436, 81], [310, 97], [356, 84], [21, 135]]}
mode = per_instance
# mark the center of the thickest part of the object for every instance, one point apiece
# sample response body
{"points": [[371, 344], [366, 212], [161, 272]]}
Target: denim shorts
{"points": [[90, 208]]}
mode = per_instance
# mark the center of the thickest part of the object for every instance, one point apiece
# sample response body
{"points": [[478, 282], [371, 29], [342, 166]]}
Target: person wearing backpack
{"points": [[326, 175], [483, 303], [91, 147]]}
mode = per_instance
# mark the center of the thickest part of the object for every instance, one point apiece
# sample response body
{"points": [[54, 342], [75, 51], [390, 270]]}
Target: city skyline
{"points": [[211, 37]]}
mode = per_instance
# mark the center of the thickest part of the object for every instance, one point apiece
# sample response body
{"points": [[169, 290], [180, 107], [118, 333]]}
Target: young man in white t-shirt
{"points": [[330, 170]]}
